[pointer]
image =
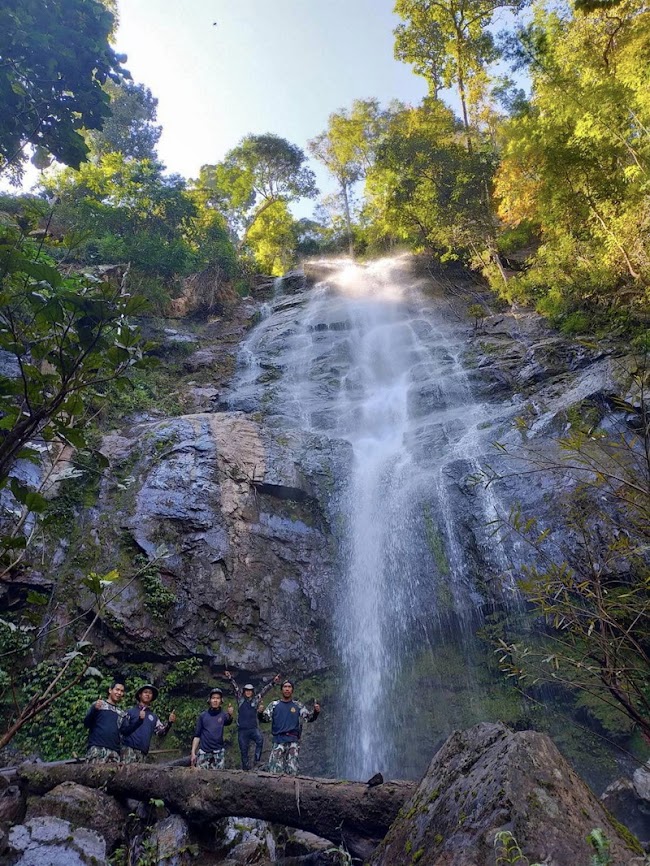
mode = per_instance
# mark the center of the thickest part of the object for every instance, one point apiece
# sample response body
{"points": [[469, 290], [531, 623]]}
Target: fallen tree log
{"points": [[349, 813]]}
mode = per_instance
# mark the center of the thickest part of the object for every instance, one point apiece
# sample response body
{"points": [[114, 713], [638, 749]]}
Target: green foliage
{"points": [[15, 641], [126, 210], [54, 61], [60, 733], [157, 598], [426, 189], [507, 851], [272, 240], [575, 162], [347, 147], [130, 129], [600, 843], [65, 338], [260, 172], [182, 673], [450, 44], [154, 389]]}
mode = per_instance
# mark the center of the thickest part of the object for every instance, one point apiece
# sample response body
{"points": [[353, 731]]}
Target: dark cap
{"points": [[146, 686], [287, 683], [216, 691]]}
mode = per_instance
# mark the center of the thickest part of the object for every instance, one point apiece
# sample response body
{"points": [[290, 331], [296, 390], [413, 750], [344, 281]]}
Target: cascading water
{"points": [[365, 357]]}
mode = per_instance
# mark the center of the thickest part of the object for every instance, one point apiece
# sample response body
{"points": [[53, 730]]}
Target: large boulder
{"points": [[171, 842], [489, 779], [82, 807], [49, 841], [623, 800]]}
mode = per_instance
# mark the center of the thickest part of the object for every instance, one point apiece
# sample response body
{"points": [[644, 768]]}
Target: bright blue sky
{"points": [[277, 66]]}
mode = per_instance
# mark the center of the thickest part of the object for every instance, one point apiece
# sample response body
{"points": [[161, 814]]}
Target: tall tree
{"points": [[257, 174], [427, 189], [576, 163], [54, 62], [273, 240], [131, 128], [448, 42], [346, 148]]}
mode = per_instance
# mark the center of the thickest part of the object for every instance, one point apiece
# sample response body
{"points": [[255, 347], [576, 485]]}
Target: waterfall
{"points": [[367, 357]]}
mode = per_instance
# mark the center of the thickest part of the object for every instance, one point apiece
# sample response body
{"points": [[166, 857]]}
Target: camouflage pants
{"points": [[101, 755], [284, 759], [211, 760], [132, 756]]}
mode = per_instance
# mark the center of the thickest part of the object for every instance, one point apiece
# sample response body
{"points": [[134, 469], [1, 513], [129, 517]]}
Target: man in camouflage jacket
{"points": [[286, 717], [106, 722], [248, 729]]}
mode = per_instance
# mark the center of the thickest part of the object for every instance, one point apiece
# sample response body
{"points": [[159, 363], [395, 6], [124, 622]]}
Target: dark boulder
{"points": [[82, 807], [490, 779]]}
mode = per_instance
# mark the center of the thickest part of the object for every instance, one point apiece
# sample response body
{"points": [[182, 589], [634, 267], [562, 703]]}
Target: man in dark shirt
{"points": [[248, 730], [208, 751], [135, 746], [105, 722], [286, 717]]}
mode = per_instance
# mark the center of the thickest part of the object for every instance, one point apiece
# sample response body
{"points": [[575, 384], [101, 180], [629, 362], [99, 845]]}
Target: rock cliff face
{"points": [[247, 502], [243, 516]]}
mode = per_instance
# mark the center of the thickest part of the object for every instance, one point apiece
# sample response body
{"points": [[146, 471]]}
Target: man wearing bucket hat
{"points": [[286, 717], [248, 730], [208, 748], [135, 746]]}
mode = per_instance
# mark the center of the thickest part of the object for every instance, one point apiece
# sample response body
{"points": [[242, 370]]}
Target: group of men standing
{"points": [[124, 736]]}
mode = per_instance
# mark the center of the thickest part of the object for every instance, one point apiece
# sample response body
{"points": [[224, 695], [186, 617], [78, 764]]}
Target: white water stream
{"points": [[367, 358]]}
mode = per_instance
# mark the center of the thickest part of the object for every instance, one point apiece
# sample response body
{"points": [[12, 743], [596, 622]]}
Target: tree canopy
{"points": [[55, 59], [260, 172], [131, 127]]}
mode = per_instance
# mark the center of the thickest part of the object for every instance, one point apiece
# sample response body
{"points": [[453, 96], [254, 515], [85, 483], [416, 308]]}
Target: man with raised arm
{"points": [[248, 729], [208, 748], [135, 746], [286, 717], [106, 722]]}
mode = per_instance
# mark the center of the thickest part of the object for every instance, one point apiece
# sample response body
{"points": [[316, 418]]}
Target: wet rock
{"points": [[246, 852], [489, 779], [171, 841], [622, 799], [293, 281], [201, 359], [300, 843], [82, 807], [173, 336], [12, 805], [248, 840], [641, 782], [50, 841], [244, 515]]}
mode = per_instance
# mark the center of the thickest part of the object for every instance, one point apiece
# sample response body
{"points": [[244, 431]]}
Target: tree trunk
{"points": [[345, 812], [348, 220]]}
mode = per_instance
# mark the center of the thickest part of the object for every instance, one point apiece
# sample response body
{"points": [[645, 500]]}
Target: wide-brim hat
{"points": [[146, 686], [249, 686]]}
